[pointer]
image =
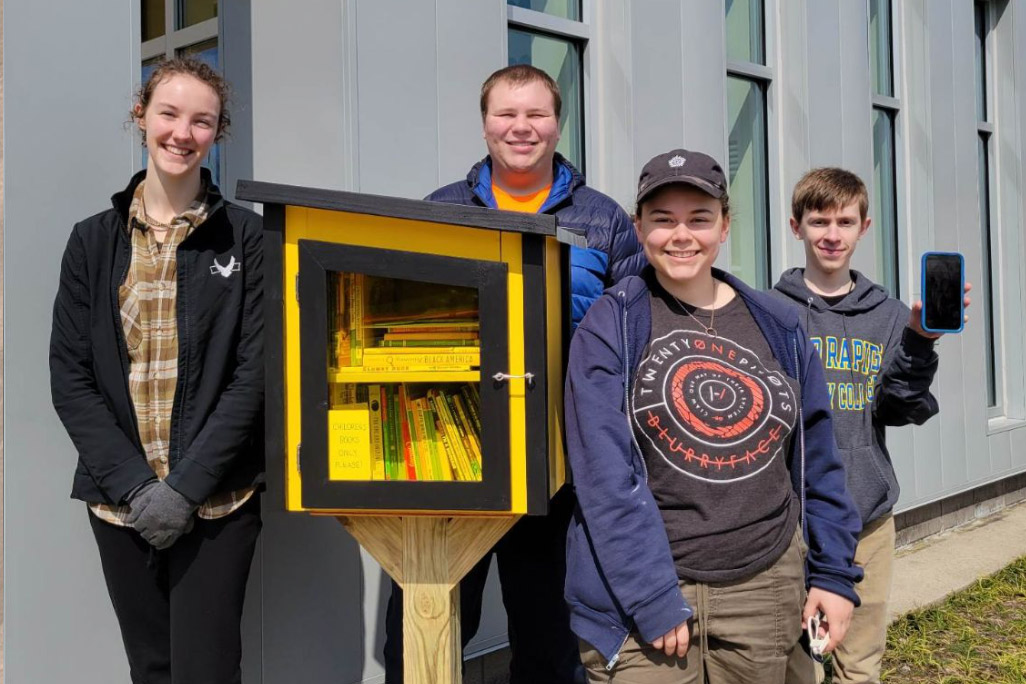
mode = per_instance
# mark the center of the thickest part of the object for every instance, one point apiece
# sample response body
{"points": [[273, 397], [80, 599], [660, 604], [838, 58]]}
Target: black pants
{"points": [[180, 609], [532, 571]]}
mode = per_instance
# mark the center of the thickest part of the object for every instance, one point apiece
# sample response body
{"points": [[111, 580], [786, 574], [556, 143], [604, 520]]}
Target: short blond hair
{"points": [[520, 75]]}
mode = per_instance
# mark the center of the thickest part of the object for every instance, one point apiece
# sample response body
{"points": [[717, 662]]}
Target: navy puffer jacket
{"points": [[613, 250]]}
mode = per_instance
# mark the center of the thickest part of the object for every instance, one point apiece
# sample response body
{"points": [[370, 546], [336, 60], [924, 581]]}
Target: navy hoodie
{"points": [[620, 572], [878, 372]]}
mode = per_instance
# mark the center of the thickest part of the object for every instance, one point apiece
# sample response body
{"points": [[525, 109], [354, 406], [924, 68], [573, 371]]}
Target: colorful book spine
{"points": [[427, 465], [448, 335], [448, 422], [397, 434], [450, 449], [466, 432], [340, 324], [414, 351], [427, 361], [439, 456], [472, 402], [388, 429], [409, 453], [356, 315], [377, 437], [422, 344]]}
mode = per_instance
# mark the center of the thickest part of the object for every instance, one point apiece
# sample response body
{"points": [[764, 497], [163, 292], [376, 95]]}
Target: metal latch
{"points": [[502, 377]]}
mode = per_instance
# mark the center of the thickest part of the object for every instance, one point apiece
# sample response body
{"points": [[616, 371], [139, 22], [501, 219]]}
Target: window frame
{"points": [[890, 106], [171, 44], [763, 76], [986, 133], [576, 32]]}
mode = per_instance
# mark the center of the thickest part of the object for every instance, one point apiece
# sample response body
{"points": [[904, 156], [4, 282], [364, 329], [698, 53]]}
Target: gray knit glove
{"points": [[160, 514]]}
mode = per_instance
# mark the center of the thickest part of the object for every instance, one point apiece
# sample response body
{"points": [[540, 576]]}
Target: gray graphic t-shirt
{"points": [[714, 416]]}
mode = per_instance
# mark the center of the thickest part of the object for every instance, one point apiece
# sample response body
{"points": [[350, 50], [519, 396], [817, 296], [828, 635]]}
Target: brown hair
{"points": [[828, 188], [189, 66], [520, 75]]}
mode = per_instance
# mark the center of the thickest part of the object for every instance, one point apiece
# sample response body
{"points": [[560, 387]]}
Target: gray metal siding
{"points": [[66, 151], [381, 96]]}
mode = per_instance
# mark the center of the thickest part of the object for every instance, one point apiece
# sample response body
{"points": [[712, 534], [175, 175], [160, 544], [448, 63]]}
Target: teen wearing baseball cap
{"points": [[699, 435]]}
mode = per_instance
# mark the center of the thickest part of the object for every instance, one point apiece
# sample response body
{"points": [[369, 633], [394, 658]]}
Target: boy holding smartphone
{"points": [[879, 364]]}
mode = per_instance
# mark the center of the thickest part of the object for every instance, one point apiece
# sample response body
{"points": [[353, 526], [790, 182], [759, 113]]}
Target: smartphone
{"points": [[943, 292]]}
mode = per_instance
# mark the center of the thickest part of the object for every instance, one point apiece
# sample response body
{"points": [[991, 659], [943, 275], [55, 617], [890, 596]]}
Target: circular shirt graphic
{"points": [[716, 400], [711, 408]]}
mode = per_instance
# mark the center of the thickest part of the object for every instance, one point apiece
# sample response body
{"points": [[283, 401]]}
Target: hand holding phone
{"points": [[944, 302]]}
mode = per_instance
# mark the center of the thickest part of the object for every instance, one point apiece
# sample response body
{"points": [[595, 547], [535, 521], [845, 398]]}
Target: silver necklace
{"points": [[709, 329]]}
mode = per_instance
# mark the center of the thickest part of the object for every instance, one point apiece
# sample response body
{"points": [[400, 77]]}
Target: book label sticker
{"points": [[349, 448]]}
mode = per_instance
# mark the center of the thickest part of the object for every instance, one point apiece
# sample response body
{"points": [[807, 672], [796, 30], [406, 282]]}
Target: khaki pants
{"points": [[858, 658], [743, 632]]}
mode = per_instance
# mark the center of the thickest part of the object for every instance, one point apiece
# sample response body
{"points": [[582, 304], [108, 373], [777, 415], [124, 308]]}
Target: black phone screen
{"points": [[942, 292]]}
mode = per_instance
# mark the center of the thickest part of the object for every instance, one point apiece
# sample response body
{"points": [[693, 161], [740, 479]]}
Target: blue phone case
{"points": [[961, 301]]}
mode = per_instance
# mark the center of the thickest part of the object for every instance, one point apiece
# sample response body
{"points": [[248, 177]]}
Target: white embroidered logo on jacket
{"points": [[226, 271]]}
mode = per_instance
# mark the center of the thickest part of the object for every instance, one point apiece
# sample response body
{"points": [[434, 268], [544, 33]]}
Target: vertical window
{"points": [[985, 132], [884, 199], [746, 41], [548, 34], [748, 81], [172, 28]]}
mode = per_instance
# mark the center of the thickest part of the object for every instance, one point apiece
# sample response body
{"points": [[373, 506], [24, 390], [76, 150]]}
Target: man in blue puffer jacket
{"points": [[520, 108]]}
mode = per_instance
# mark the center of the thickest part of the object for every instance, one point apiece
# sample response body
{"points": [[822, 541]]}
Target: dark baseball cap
{"points": [[682, 166]]}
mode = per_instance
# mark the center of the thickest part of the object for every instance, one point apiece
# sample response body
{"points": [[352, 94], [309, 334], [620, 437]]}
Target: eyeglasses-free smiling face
{"points": [[830, 236], [521, 129], [180, 124], [681, 229]]}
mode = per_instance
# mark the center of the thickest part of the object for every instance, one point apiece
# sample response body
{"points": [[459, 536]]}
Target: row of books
{"points": [[405, 432], [372, 332]]}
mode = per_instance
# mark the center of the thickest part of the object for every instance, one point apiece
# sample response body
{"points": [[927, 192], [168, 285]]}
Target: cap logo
{"points": [[676, 162]]}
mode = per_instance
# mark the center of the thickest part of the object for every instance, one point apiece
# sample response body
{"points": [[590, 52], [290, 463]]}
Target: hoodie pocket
{"points": [[585, 585], [870, 479]]}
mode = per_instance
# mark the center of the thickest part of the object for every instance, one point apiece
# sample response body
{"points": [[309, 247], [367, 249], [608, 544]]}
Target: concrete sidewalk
{"points": [[928, 571]]}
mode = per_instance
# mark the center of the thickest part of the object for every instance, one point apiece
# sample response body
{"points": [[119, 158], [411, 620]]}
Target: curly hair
{"points": [[189, 66]]}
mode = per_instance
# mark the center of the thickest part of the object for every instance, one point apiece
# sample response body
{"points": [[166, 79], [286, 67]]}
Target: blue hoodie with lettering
{"points": [[878, 372]]}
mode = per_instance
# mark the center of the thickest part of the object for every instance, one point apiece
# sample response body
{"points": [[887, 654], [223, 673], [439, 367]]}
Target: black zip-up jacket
{"points": [[217, 417]]}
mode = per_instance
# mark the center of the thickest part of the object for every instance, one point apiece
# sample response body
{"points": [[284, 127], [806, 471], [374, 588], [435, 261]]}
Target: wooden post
{"points": [[431, 624], [428, 556]]}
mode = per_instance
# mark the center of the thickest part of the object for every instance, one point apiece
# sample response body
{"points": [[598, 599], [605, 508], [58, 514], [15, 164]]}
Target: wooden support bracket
{"points": [[427, 557]]}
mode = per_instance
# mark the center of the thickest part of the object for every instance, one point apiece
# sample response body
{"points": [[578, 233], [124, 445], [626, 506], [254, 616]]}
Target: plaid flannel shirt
{"points": [[148, 300]]}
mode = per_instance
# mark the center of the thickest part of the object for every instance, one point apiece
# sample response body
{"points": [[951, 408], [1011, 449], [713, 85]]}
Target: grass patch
{"points": [[977, 635]]}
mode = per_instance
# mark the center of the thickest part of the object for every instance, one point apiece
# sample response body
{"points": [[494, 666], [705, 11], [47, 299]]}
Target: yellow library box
{"points": [[414, 353]]}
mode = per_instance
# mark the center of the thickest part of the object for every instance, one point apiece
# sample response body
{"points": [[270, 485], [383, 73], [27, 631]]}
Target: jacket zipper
{"points": [[627, 388], [120, 329], [801, 434], [627, 402], [616, 656]]}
